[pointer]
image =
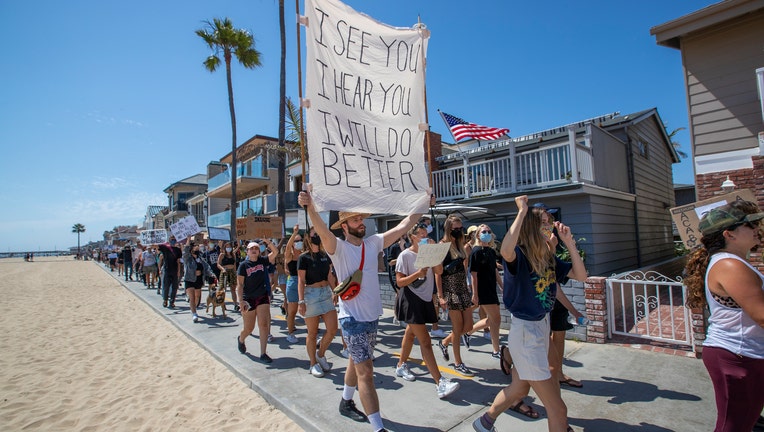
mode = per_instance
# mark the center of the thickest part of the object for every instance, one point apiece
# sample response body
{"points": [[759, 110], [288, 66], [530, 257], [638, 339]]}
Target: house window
{"points": [[641, 147]]}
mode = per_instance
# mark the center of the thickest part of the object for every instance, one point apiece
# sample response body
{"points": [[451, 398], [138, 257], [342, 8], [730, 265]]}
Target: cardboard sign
{"points": [[687, 217], [430, 255], [254, 227], [153, 237], [185, 228]]}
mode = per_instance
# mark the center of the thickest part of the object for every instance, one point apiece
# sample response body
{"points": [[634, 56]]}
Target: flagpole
{"points": [[448, 126], [299, 95], [420, 28]]}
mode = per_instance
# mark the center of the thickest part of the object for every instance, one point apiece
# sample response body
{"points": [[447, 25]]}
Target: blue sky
{"points": [[105, 104]]}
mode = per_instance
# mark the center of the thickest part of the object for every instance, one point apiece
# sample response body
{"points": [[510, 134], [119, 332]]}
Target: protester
{"points": [[149, 265], [485, 276], [314, 292], [414, 306], [719, 276], [453, 292], [112, 256], [210, 253], [532, 273], [195, 270], [171, 261], [359, 316], [120, 261], [254, 300], [292, 251], [227, 264]]}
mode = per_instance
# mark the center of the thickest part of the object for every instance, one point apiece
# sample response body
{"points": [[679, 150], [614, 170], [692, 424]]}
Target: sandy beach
{"points": [[80, 352]]}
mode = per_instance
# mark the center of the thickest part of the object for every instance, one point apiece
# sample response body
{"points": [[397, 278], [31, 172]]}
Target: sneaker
{"points": [[446, 387], [464, 370], [270, 338], [196, 318], [265, 358], [316, 370], [438, 333], [242, 347], [478, 426], [496, 355], [291, 338], [236, 308], [345, 353], [466, 340], [323, 363], [443, 349], [348, 409], [404, 372]]}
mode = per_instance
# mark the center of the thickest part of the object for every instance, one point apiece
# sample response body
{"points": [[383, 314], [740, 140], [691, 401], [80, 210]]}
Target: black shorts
{"points": [[254, 302], [197, 284], [558, 318], [411, 309]]}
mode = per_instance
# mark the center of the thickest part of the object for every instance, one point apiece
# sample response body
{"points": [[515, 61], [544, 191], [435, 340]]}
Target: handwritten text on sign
{"points": [[365, 84]]}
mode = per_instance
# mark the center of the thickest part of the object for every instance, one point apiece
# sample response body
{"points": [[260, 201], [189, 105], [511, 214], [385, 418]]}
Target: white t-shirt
{"points": [[405, 265], [367, 305]]}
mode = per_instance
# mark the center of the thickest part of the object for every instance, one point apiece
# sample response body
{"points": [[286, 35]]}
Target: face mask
{"points": [[262, 248], [298, 245], [456, 233], [429, 229], [172, 242], [423, 241], [202, 248], [228, 250], [316, 240], [485, 238]]}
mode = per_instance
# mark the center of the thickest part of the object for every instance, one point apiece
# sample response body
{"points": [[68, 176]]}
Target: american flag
{"points": [[461, 129]]}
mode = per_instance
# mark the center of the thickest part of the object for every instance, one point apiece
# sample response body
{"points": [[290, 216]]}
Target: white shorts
{"points": [[529, 347]]}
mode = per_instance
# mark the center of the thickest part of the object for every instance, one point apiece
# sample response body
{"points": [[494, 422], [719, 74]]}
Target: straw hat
{"points": [[344, 216]]}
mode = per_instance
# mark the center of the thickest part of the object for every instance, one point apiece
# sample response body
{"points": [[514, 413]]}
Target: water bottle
{"points": [[582, 320]]}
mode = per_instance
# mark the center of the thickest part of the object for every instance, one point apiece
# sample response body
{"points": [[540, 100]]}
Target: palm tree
{"points": [[281, 187], [222, 37], [78, 228], [677, 146]]}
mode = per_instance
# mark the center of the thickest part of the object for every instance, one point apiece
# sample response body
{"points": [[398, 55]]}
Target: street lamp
{"points": [[728, 185]]}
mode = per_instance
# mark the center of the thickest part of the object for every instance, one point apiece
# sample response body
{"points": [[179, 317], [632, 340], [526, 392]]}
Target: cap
{"points": [[544, 207], [344, 216], [725, 217], [252, 244]]}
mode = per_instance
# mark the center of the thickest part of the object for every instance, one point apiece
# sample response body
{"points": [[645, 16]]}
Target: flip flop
{"points": [[506, 366], [530, 412], [571, 382]]}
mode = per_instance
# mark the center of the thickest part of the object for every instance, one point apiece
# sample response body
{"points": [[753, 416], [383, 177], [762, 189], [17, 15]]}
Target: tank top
{"points": [[731, 328], [227, 261]]}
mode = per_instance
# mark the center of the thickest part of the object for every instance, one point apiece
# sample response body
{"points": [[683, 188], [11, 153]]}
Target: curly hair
{"points": [[697, 264]]}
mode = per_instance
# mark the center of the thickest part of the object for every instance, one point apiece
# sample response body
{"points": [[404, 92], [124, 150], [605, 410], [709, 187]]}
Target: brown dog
{"points": [[216, 298]]}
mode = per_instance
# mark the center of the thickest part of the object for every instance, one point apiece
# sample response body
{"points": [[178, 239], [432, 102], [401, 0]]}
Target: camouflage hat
{"points": [[724, 218]]}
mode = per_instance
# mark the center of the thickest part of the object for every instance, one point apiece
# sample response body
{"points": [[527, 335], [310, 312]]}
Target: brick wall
{"points": [[596, 309]]}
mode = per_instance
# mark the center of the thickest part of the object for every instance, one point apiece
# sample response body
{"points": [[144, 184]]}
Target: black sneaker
{"points": [[265, 358], [466, 340], [464, 370], [242, 347], [236, 308], [348, 409], [443, 349]]}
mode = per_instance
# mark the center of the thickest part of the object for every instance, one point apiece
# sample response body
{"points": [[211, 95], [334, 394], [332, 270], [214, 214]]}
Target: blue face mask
{"points": [[262, 248], [298, 245], [485, 238], [423, 241]]}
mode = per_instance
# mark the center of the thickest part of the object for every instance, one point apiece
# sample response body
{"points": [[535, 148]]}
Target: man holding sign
{"points": [[359, 315]]}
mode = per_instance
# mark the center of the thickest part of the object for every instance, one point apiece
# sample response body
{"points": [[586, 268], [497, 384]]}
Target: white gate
{"points": [[649, 306]]}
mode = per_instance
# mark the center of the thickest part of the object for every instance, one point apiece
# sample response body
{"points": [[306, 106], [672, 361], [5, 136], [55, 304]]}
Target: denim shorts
{"points": [[291, 290], [318, 301], [360, 337], [282, 278]]}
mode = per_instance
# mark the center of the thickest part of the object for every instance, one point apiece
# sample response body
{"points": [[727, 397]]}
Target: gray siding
{"points": [[609, 154], [720, 64], [612, 231]]}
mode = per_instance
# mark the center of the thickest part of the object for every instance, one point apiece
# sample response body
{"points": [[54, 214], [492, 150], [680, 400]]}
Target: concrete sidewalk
{"points": [[624, 389]]}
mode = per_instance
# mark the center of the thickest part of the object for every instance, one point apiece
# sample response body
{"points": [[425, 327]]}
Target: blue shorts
{"points": [[291, 290], [282, 278], [318, 301], [360, 337]]}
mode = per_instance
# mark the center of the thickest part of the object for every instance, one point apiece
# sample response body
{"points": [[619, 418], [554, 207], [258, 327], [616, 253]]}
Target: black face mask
{"points": [[456, 233], [316, 240]]}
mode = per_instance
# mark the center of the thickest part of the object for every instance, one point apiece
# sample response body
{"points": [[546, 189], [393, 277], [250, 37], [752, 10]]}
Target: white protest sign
{"points": [[185, 228], [430, 255], [152, 237], [365, 88]]}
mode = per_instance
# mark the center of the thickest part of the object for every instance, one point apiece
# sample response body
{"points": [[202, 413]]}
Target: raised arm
{"points": [[391, 235], [578, 272], [510, 240], [289, 252], [328, 240]]}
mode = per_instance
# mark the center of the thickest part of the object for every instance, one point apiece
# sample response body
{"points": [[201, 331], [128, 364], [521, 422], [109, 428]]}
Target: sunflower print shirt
{"points": [[528, 295]]}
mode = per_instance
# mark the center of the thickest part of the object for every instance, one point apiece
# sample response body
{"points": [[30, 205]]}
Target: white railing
{"points": [[649, 306], [538, 168]]}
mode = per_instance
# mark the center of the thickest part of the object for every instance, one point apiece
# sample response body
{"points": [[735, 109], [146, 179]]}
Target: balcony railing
{"points": [[247, 170], [531, 169], [219, 219], [290, 200]]}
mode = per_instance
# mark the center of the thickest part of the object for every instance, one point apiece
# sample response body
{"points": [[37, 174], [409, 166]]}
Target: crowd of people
{"points": [[478, 273]]}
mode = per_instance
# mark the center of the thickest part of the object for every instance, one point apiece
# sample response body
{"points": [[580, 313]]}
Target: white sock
{"points": [[376, 421], [348, 392]]}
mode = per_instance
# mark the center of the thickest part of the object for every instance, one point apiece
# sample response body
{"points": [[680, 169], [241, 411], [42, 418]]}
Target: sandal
{"points": [[530, 412], [505, 360], [571, 382]]}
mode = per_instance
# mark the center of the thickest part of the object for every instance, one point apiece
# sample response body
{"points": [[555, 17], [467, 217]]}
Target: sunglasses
{"points": [[485, 232]]}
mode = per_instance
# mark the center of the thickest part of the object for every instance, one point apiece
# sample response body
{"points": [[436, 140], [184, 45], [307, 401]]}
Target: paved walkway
{"points": [[624, 389]]}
